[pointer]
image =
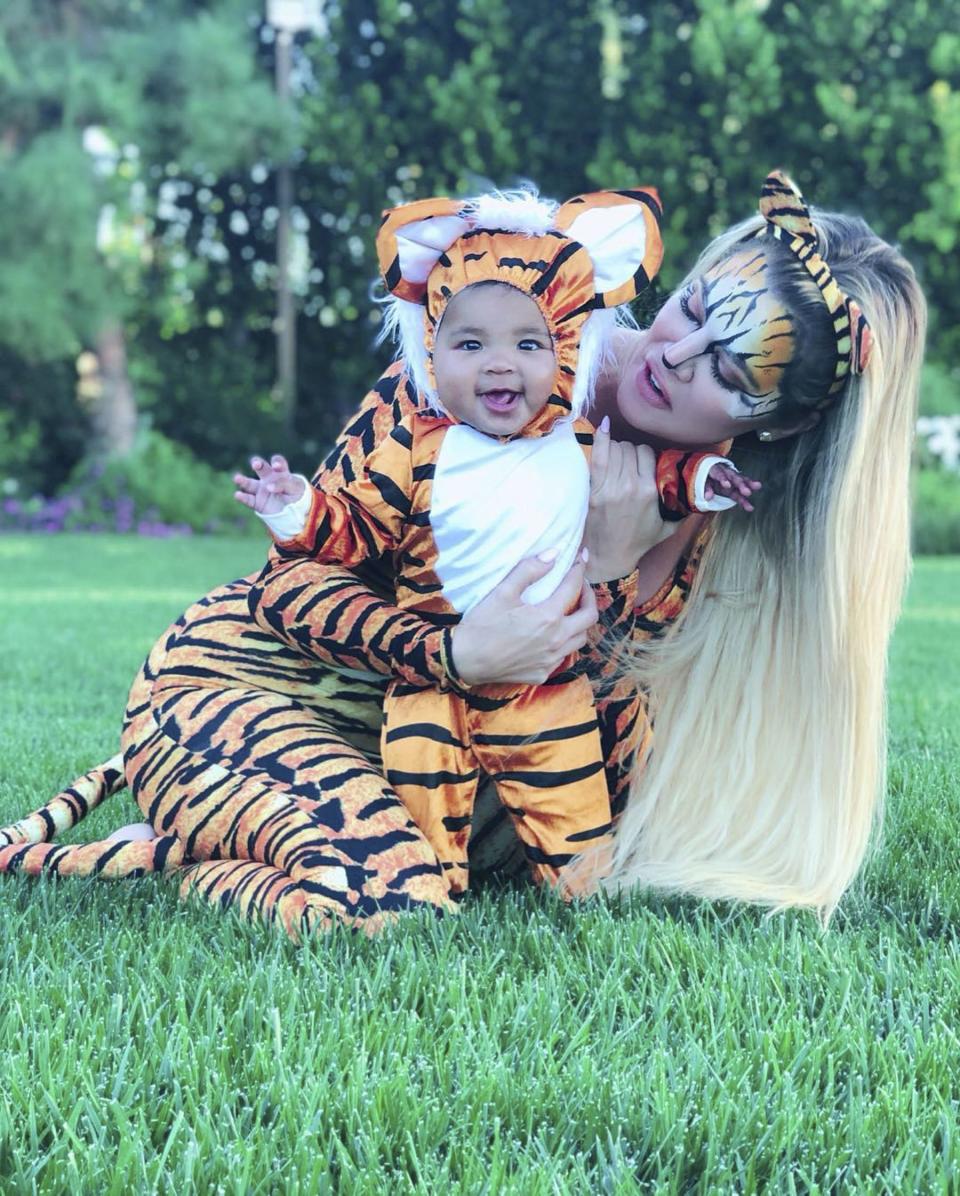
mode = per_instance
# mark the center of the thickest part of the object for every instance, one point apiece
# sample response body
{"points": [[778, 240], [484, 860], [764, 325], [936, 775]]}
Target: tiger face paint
{"points": [[712, 364], [749, 330]]}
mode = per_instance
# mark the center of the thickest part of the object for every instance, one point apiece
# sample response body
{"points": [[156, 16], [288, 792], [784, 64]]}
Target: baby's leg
{"points": [[429, 762], [542, 750]]}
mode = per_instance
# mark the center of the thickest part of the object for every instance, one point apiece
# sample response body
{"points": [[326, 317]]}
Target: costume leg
{"points": [[542, 749], [290, 823], [429, 762], [242, 753], [266, 774]]}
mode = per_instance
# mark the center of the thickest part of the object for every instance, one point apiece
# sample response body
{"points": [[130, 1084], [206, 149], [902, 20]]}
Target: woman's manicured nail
{"points": [[605, 424], [585, 555]]}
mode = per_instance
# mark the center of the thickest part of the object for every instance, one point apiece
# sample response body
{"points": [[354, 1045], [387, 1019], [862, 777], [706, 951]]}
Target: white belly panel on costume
{"points": [[495, 503]]}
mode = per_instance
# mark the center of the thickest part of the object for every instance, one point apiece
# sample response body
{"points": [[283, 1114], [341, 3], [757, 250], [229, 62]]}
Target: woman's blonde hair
{"points": [[767, 768]]}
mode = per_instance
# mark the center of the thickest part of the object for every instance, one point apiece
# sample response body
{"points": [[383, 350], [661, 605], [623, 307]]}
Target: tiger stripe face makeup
{"points": [[713, 362], [743, 328]]}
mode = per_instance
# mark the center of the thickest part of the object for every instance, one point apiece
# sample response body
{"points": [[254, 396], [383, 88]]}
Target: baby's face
{"points": [[493, 359]]}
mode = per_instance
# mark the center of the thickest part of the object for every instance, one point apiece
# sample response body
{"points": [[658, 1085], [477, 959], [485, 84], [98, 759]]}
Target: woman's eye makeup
{"points": [[686, 295], [728, 385], [715, 370], [690, 299]]}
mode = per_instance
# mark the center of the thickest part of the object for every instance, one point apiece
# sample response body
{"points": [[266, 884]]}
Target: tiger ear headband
{"points": [[787, 218]]}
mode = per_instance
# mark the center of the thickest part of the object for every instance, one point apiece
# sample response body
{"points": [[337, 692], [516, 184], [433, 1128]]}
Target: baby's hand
{"points": [[272, 488], [730, 483]]}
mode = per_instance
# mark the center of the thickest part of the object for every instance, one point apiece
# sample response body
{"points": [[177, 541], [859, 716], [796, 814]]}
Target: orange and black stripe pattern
{"points": [[540, 745], [257, 758], [787, 218]]}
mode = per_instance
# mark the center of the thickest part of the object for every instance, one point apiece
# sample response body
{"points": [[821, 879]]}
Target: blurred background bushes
{"points": [[140, 142]]}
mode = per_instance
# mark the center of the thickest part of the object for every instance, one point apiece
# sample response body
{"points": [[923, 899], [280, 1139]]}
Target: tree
{"points": [[860, 100], [79, 231]]}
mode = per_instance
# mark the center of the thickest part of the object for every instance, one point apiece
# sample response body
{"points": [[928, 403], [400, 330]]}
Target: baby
{"points": [[502, 306]]}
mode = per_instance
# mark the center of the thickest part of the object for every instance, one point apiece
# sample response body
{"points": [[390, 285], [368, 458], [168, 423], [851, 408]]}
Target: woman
{"points": [[236, 723]]}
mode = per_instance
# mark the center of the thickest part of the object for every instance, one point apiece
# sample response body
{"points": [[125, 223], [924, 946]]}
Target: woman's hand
{"points": [[272, 489], [506, 640], [624, 519]]}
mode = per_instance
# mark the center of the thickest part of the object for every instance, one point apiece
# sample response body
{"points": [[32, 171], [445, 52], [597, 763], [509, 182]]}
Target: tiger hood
{"points": [[579, 261]]}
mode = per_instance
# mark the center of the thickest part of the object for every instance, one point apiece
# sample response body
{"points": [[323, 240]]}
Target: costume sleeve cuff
{"points": [[718, 502], [289, 521]]}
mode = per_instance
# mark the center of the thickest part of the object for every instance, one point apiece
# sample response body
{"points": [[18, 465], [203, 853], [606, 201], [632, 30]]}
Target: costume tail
{"points": [[69, 807], [26, 845]]}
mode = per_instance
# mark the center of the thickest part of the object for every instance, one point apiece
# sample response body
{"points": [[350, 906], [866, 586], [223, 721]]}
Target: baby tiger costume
{"points": [[458, 509]]}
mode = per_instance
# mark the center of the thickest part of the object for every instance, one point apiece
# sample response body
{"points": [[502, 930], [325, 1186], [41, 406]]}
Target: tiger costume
{"points": [[254, 753], [459, 504], [280, 641]]}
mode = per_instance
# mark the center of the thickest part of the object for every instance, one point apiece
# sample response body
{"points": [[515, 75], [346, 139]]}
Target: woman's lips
{"points": [[500, 400], [647, 388]]}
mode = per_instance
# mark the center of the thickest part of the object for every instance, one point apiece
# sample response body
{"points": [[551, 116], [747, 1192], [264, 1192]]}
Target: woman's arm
{"points": [[324, 612], [659, 564], [635, 556], [624, 521]]}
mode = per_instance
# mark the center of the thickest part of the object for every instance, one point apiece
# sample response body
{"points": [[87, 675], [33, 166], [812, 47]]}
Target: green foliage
{"points": [[53, 289], [170, 91], [860, 100], [42, 427], [17, 444], [161, 482], [201, 105], [940, 389], [936, 515]]}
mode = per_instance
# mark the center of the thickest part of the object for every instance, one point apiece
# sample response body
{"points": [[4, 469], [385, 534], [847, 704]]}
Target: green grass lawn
{"points": [[522, 1047]]}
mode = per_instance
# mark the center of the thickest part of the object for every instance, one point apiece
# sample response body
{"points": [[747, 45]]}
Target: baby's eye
{"points": [[469, 344], [529, 343]]}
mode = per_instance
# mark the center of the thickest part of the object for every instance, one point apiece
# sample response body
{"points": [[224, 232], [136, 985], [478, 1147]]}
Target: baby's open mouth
{"points": [[500, 400]]}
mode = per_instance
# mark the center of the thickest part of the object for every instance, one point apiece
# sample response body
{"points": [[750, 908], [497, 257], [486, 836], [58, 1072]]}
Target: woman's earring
{"points": [[765, 436]]}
